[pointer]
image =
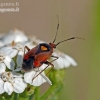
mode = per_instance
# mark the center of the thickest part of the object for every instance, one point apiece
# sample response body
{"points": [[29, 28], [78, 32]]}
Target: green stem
{"points": [[37, 93], [22, 98], [16, 96], [31, 97], [52, 92]]}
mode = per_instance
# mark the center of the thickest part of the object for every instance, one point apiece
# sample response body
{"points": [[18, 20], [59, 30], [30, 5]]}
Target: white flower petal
{"points": [[58, 64], [15, 35], [29, 44], [18, 69], [19, 85], [20, 58], [2, 67], [46, 78], [5, 49], [38, 80], [71, 60], [17, 74], [9, 63], [9, 51], [8, 88], [1, 86], [8, 38], [1, 44], [20, 36], [12, 53], [66, 63], [40, 68], [28, 76]]}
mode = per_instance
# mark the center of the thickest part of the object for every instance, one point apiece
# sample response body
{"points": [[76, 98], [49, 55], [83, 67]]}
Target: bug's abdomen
{"points": [[27, 65]]}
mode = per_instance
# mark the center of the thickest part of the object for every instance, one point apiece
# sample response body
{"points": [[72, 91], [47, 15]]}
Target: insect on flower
{"points": [[40, 54]]}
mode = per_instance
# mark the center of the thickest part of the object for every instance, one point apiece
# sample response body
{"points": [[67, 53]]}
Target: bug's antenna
{"points": [[69, 39], [56, 30]]}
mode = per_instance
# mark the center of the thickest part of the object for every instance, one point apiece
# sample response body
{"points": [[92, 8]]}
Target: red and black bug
{"points": [[40, 54]]}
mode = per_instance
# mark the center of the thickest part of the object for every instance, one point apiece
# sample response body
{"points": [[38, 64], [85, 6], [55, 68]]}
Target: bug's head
{"points": [[52, 45]]}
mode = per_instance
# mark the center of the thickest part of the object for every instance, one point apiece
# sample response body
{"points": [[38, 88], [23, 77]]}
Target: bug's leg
{"points": [[40, 72], [35, 73], [26, 47], [49, 63], [55, 58], [34, 76]]}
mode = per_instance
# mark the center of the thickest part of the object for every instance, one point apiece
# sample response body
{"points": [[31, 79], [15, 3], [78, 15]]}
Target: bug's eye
{"points": [[43, 48]]}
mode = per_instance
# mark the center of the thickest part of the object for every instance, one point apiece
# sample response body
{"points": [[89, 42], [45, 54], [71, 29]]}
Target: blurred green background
{"points": [[79, 18]]}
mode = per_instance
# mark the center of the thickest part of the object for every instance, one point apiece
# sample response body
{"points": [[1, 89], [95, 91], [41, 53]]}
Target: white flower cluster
{"points": [[11, 58]]}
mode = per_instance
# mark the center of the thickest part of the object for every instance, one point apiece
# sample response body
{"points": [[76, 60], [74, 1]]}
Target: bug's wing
{"points": [[33, 51]]}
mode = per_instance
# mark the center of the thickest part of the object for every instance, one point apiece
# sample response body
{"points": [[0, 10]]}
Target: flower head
{"points": [[6, 61], [11, 81], [14, 35], [64, 61], [16, 48]]}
